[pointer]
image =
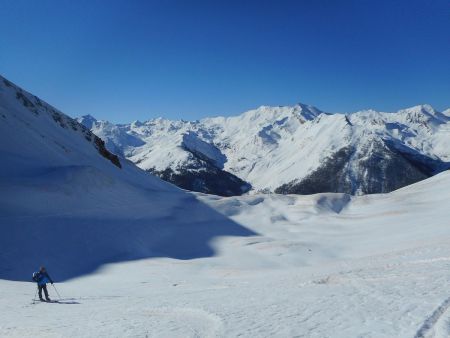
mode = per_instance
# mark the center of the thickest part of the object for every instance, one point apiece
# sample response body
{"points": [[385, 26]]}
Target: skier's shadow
{"points": [[66, 301]]}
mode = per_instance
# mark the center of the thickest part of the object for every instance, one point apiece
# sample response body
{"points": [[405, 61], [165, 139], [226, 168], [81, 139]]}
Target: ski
{"points": [[44, 301]]}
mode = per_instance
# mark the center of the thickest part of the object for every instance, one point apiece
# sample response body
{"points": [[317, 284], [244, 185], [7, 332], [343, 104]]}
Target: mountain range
{"points": [[188, 264], [287, 149]]}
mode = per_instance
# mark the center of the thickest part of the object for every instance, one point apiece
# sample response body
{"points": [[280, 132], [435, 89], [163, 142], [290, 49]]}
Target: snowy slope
{"points": [[326, 265], [193, 265], [179, 156], [66, 201], [290, 149]]}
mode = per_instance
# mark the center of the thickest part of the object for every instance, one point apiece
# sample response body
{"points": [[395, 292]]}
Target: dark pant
{"points": [[43, 287]]}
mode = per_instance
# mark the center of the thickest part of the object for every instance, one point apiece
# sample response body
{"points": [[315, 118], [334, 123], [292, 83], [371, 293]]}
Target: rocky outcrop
{"points": [[202, 176], [37, 107], [331, 176]]}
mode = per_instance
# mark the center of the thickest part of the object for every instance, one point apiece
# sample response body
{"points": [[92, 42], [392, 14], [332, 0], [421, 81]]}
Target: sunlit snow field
{"points": [[319, 266]]}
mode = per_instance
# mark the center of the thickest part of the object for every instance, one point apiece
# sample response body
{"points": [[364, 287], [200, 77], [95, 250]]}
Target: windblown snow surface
{"points": [[133, 256]]}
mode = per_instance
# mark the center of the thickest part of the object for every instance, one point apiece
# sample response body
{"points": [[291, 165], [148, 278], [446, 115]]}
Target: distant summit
{"points": [[289, 149], [87, 120]]}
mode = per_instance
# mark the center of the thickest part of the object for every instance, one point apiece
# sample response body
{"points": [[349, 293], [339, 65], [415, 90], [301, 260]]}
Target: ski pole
{"points": [[57, 292], [34, 298]]}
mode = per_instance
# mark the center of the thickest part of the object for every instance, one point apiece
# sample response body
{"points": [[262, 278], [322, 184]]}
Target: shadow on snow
{"points": [[76, 244]]}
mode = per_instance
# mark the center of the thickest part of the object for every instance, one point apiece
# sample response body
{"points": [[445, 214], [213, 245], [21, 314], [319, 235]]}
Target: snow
{"points": [[320, 266], [62, 200], [271, 146], [134, 256]]}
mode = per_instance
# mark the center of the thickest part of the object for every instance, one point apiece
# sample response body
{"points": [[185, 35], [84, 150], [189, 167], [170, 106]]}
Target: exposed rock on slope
{"points": [[37, 107]]}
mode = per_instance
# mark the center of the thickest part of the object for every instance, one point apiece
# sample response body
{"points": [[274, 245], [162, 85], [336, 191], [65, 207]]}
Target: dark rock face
{"points": [[386, 170], [380, 169], [34, 104], [428, 166], [202, 176], [329, 177], [100, 145], [205, 175], [217, 182]]}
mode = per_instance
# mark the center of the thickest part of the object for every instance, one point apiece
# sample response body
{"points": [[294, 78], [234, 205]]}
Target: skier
{"points": [[42, 278]]}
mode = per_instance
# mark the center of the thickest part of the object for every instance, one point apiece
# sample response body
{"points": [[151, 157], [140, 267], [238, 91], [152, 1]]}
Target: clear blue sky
{"points": [[130, 59]]}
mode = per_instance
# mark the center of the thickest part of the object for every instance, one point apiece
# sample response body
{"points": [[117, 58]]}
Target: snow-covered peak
{"points": [[271, 146], [269, 114], [419, 109], [136, 124], [423, 110], [307, 111], [87, 120], [423, 116]]}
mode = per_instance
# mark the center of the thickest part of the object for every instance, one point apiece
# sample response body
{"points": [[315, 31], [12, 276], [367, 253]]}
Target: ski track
{"points": [[441, 314]]}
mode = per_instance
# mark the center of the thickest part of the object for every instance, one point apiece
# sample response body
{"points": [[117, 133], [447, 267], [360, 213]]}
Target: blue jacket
{"points": [[42, 278]]}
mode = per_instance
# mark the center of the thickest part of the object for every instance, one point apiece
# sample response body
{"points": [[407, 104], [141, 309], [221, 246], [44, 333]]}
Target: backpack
{"points": [[35, 276]]}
